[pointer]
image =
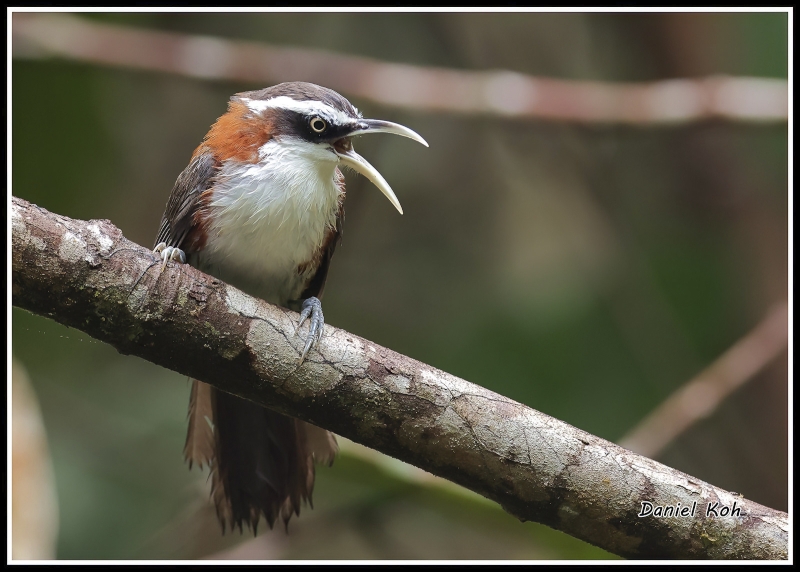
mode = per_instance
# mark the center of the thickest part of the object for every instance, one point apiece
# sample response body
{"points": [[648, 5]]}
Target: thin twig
{"points": [[494, 93], [701, 396]]}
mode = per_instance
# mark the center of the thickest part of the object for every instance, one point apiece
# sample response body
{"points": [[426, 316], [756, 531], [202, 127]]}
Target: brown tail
{"points": [[261, 461]]}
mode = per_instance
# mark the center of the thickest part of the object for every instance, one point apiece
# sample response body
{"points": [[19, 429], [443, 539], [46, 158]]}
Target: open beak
{"points": [[349, 158]]}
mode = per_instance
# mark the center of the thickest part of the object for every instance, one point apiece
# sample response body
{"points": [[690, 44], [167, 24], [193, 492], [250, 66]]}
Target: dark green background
{"points": [[586, 271]]}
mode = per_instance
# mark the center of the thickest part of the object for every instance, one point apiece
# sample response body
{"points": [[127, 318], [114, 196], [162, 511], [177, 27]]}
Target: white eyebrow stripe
{"points": [[307, 107]]}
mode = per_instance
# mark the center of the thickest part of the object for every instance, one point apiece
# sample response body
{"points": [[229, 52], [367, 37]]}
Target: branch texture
{"points": [[88, 276]]}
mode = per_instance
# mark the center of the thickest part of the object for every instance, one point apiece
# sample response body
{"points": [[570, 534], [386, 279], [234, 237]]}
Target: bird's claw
{"points": [[168, 253], [311, 309]]}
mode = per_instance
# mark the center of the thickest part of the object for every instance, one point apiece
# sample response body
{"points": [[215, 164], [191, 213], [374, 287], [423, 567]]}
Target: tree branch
{"points": [[700, 396], [88, 276], [495, 92]]}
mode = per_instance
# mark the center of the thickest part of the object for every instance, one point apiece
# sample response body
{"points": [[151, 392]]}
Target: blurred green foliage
{"points": [[585, 271]]}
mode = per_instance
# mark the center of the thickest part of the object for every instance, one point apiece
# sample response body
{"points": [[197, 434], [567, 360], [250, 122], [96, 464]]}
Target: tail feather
{"points": [[262, 462], [199, 447]]}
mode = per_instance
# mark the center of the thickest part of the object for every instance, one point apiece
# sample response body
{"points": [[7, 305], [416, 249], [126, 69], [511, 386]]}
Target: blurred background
{"points": [[583, 249]]}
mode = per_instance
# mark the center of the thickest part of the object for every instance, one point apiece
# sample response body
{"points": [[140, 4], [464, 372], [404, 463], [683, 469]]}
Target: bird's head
{"points": [[300, 119]]}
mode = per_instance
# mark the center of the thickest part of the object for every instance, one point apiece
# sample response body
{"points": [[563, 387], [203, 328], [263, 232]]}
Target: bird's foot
{"points": [[312, 309], [168, 253]]}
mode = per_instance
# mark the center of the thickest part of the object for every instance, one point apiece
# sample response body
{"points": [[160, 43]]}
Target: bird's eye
{"points": [[318, 125]]}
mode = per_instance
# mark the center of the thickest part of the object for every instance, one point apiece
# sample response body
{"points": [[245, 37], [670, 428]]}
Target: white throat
{"points": [[269, 217]]}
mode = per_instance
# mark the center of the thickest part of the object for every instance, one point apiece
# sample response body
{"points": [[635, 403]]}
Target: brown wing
{"points": [[177, 224], [316, 283], [178, 220]]}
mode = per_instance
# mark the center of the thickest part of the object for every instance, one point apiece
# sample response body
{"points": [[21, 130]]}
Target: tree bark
{"points": [[86, 275]]}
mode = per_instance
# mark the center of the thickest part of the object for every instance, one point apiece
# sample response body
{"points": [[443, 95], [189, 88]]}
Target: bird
{"points": [[261, 206]]}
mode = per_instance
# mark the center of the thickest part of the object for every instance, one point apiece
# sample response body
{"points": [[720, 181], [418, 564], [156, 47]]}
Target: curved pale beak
{"points": [[349, 158]]}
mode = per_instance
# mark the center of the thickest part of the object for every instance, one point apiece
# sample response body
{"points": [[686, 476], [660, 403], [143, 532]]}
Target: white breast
{"points": [[271, 216]]}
